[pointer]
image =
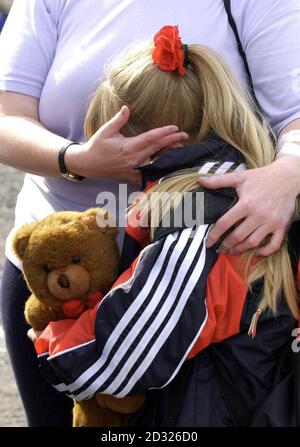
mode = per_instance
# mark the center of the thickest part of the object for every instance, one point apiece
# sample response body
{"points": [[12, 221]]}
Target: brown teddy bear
{"points": [[69, 263]]}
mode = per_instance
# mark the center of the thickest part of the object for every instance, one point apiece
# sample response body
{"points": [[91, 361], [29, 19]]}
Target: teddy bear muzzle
{"points": [[69, 282]]}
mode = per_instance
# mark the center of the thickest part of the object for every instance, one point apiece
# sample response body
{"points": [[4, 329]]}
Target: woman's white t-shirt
{"points": [[56, 50]]}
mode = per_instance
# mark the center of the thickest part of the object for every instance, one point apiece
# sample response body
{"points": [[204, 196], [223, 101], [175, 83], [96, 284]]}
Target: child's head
{"points": [[202, 99], [155, 97], [206, 100]]}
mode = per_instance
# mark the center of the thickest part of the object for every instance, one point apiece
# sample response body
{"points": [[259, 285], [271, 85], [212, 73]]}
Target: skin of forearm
{"points": [[28, 146]]}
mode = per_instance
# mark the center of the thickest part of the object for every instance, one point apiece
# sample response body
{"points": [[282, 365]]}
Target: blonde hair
{"points": [[208, 101]]}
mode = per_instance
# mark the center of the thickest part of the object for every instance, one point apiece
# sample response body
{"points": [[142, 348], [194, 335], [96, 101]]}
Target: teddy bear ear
{"points": [[101, 220], [21, 239]]}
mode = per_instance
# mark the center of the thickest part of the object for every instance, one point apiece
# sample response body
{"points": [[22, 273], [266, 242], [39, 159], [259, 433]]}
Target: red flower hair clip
{"points": [[169, 53]]}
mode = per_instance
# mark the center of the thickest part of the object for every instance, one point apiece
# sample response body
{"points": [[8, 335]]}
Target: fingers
{"points": [[115, 124], [222, 181], [273, 245], [148, 143], [252, 241], [234, 215], [33, 335], [30, 335], [169, 141], [266, 206], [256, 238], [243, 231]]}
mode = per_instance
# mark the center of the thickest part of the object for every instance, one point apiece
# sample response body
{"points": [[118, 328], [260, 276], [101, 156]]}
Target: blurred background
{"points": [[11, 412], [4, 9]]}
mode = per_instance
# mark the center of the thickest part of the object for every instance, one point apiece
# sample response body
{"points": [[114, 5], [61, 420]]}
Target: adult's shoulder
{"points": [[252, 16]]}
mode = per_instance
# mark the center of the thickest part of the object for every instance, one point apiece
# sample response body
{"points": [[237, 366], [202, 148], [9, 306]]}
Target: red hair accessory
{"points": [[169, 53]]}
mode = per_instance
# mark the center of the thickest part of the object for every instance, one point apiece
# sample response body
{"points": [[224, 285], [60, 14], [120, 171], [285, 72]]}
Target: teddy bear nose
{"points": [[63, 281]]}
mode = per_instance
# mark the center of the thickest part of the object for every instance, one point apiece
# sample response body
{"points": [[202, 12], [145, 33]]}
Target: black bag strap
{"points": [[227, 5]]}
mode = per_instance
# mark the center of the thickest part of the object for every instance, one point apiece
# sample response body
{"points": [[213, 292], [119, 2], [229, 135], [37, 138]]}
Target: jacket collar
{"points": [[196, 155]]}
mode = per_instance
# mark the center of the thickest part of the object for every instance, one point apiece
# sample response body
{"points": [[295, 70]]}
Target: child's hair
{"points": [[207, 101]]}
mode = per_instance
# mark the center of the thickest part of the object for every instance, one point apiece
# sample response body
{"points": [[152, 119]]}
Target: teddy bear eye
{"points": [[76, 259], [46, 268]]}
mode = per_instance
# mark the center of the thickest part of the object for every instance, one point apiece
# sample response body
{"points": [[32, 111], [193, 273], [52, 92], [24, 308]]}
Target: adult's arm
{"points": [[266, 195], [27, 47], [27, 145]]}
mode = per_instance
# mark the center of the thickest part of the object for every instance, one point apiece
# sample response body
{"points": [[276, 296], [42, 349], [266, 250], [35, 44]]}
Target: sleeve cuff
{"points": [[20, 87]]}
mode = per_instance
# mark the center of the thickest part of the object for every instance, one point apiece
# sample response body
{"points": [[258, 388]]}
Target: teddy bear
{"points": [[69, 262]]}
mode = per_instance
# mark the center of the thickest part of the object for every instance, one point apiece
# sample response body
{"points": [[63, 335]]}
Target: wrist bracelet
{"points": [[62, 167], [287, 144], [293, 136], [289, 149]]}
